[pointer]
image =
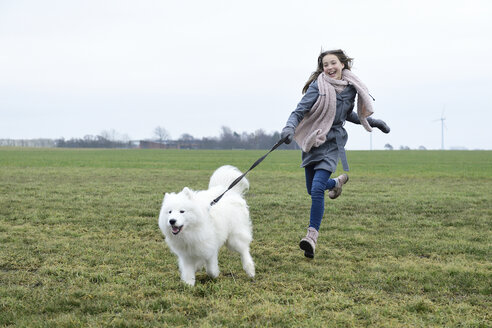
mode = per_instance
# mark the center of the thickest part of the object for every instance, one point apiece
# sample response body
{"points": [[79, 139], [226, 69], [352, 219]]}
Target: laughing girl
{"points": [[317, 127]]}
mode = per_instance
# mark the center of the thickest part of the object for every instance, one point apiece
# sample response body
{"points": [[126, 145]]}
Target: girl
{"points": [[317, 126]]}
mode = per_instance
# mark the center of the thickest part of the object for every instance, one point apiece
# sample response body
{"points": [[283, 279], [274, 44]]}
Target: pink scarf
{"points": [[312, 130]]}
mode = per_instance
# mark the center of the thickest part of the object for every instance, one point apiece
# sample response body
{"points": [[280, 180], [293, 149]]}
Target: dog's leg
{"points": [[240, 245], [212, 266], [187, 269], [248, 264]]}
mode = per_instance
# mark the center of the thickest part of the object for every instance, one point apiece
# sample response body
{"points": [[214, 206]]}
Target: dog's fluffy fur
{"points": [[194, 230]]}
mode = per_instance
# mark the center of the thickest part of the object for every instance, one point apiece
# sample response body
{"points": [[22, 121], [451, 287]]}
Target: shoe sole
{"points": [[306, 247]]}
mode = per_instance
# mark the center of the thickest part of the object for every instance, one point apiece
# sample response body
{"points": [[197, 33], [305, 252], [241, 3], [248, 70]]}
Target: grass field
{"points": [[408, 244]]}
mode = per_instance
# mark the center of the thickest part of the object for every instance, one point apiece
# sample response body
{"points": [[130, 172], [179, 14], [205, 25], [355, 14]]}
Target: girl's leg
{"points": [[317, 182], [320, 183], [309, 171]]}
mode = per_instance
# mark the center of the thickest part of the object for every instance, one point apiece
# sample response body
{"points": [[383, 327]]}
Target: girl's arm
{"points": [[302, 108], [375, 123]]}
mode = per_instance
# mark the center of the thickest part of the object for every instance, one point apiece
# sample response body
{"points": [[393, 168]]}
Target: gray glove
{"points": [[380, 124], [288, 132]]}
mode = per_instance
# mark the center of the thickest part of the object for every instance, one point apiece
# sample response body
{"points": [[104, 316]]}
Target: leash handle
{"points": [[258, 161]]}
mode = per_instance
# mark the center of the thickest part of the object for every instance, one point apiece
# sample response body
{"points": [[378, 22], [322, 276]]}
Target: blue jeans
{"points": [[317, 182]]}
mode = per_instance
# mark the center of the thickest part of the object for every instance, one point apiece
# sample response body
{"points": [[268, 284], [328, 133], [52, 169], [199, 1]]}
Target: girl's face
{"points": [[332, 66]]}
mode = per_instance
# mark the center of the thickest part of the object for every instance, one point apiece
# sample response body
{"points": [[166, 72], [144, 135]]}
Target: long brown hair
{"points": [[344, 59]]}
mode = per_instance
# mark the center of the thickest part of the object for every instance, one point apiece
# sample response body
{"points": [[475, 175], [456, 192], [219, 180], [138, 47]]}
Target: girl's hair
{"points": [[344, 59]]}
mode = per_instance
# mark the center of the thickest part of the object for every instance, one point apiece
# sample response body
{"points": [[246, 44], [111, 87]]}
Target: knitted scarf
{"points": [[312, 130]]}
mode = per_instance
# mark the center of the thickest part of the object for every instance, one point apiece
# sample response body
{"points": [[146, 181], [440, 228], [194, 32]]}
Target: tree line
{"points": [[228, 139]]}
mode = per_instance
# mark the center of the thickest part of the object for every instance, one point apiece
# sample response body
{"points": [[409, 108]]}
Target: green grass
{"points": [[408, 244]]}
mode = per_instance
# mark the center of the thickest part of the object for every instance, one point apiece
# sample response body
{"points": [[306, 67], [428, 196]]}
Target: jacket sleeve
{"points": [[304, 105], [352, 117]]}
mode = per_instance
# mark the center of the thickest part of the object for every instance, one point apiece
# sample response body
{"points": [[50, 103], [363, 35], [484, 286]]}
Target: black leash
{"points": [[281, 141]]}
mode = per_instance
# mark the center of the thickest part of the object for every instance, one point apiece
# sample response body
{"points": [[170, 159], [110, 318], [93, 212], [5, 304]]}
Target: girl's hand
{"points": [[381, 125], [288, 132]]}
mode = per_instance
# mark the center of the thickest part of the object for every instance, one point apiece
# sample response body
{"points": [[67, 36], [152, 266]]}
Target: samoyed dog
{"points": [[195, 230]]}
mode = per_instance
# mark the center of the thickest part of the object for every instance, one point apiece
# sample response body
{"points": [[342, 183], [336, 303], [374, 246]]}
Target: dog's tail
{"points": [[225, 175]]}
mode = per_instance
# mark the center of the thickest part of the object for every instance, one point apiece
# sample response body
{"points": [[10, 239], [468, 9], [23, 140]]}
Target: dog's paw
{"points": [[213, 273], [250, 270], [190, 282]]}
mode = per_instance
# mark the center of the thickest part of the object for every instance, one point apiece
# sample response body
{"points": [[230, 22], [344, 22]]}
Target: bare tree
{"points": [[161, 134], [110, 135], [186, 137], [388, 147]]}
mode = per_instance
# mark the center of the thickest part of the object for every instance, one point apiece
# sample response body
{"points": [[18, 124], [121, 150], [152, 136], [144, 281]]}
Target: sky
{"points": [[74, 68]]}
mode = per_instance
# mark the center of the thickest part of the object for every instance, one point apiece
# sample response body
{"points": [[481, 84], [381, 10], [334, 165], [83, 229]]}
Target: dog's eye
{"points": [[170, 212], [182, 211]]}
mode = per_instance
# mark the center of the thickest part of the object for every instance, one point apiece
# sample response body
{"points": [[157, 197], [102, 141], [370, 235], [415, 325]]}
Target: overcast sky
{"points": [[75, 68]]}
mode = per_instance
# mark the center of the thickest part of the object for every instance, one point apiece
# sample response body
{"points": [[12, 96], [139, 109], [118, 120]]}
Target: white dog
{"points": [[195, 230]]}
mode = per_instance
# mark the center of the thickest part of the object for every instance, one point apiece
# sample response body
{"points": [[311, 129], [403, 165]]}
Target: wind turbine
{"points": [[442, 127]]}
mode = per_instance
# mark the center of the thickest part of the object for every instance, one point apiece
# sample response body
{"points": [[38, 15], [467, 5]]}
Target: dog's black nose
{"points": [[172, 222]]}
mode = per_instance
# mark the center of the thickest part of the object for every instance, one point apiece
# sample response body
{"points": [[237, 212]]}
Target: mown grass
{"points": [[408, 244]]}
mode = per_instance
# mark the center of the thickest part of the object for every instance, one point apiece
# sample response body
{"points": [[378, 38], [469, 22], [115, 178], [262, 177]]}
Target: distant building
{"points": [[45, 143], [147, 144], [169, 144]]}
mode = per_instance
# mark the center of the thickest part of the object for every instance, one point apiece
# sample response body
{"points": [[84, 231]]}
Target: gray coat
{"points": [[326, 156]]}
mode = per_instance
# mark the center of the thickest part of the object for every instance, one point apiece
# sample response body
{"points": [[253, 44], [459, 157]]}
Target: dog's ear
{"points": [[187, 192]]}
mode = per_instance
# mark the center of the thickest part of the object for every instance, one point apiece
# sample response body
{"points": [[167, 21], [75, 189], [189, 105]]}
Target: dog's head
{"points": [[178, 212]]}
